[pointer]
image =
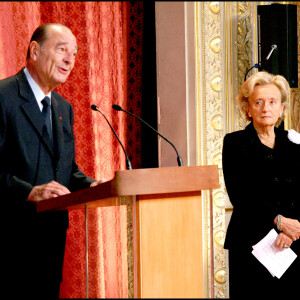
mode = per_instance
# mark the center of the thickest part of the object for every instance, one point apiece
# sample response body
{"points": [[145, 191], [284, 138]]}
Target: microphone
{"points": [[128, 163], [117, 107], [273, 47]]}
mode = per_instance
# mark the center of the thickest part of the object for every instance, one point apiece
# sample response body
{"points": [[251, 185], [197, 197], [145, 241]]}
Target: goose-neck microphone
{"points": [[117, 107], [128, 163]]}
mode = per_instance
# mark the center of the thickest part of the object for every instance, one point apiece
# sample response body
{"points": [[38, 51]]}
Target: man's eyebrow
{"points": [[65, 43]]}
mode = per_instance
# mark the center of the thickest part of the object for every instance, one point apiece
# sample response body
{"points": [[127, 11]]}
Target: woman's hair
{"points": [[262, 78]]}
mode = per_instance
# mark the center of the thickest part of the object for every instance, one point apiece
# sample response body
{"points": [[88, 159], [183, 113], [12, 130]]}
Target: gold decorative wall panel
{"points": [[225, 43], [226, 48], [206, 74], [210, 87]]}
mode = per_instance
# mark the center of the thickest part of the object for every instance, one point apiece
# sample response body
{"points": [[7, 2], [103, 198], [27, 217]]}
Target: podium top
{"points": [[139, 182]]}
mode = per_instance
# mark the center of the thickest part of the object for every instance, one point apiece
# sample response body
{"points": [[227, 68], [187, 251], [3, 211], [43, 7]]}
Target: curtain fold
{"points": [[107, 71]]}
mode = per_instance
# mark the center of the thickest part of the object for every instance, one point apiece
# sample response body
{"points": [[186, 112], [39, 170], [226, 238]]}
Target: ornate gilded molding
{"points": [[295, 109], [130, 203], [225, 39], [210, 84]]}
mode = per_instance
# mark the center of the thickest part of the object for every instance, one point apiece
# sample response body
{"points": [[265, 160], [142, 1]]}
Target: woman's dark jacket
{"points": [[261, 183]]}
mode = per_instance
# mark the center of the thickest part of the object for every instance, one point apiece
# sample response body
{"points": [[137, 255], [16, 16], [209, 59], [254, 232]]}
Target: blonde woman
{"points": [[261, 166]]}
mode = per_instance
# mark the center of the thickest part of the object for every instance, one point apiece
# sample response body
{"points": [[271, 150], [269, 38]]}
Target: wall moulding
{"points": [[226, 48]]}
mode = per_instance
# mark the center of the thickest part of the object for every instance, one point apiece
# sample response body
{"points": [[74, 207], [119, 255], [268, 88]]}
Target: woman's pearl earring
{"points": [[249, 115]]}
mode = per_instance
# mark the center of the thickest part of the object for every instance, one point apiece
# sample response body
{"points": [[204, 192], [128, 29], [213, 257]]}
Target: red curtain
{"points": [[107, 71]]}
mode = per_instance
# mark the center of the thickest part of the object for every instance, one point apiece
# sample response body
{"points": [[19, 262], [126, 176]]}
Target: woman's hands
{"points": [[290, 232], [283, 241], [290, 227]]}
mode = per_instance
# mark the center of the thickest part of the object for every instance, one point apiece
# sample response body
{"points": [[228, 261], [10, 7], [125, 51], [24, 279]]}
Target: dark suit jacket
{"points": [[261, 183], [27, 159]]}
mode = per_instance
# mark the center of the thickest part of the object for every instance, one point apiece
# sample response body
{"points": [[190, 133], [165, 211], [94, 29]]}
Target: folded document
{"points": [[275, 260]]}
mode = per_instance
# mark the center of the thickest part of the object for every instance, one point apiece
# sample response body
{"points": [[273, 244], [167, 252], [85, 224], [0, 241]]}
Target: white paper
{"points": [[277, 261]]}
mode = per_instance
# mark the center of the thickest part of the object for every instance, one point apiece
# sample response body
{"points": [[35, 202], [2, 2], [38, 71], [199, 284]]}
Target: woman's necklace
{"points": [[267, 142]]}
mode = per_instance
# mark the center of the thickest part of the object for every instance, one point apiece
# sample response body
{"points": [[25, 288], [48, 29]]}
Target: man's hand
{"points": [[98, 182], [47, 191]]}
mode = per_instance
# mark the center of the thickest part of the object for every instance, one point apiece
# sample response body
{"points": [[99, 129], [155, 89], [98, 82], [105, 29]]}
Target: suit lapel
{"points": [[31, 109]]}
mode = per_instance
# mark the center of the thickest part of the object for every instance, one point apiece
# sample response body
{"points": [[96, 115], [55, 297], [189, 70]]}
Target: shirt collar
{"points": [[38, 93]]}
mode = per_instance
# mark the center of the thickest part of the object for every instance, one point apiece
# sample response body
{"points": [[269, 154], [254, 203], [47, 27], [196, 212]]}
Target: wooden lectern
{"points": [[164, 215]]}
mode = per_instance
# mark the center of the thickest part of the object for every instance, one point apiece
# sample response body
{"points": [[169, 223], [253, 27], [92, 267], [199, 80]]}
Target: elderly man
{"points": [[37, 161]]}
